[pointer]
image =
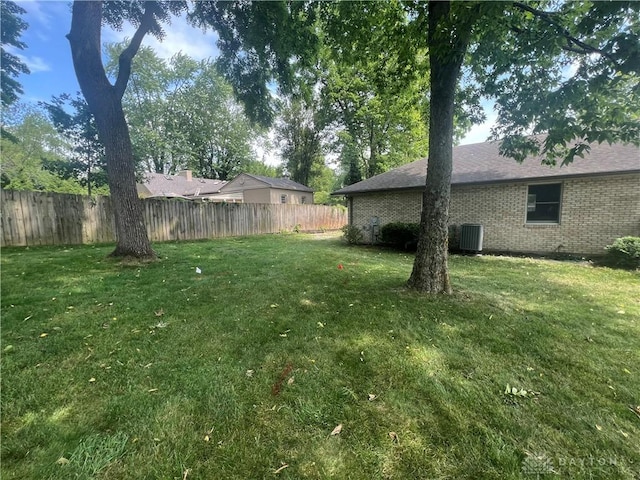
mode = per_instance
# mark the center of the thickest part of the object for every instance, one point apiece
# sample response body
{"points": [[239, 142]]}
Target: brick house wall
{"points": [[594, 211]]}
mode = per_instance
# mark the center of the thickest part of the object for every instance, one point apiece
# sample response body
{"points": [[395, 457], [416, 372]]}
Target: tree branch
{"points": [[126, 57], [583, 48]]}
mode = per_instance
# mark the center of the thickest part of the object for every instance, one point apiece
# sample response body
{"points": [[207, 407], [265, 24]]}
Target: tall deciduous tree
{"points": [[519, 54], [300, 141], [183, 114], [373, 81], [11, 27], [85, 162], [258, 41], [448, 47], [33, 142], [105, 102], [219, 135], [262, 44]]}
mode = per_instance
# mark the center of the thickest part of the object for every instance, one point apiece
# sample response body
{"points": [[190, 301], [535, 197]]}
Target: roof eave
{"points": [[545, 178]]}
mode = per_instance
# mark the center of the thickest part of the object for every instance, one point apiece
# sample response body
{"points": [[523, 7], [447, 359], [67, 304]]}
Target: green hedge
{"points": [[400, 235], [404, 236], [624, 252]]}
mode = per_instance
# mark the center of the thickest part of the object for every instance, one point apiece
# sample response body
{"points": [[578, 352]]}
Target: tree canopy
{"points": [[32, 146], [558, 68], [11, 28], [84, 157], [183, 114]]}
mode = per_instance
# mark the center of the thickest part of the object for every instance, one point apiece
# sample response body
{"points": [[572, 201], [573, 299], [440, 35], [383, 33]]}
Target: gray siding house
{"points": [[523, 207]]}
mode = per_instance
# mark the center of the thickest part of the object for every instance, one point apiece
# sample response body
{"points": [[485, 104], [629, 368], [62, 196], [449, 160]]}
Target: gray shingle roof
{"points": [[481, 163], [177, 185], [281, 183]]}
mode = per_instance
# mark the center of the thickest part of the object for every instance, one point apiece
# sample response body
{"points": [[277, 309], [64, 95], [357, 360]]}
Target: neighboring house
{"points": [[579, 208], [183, 185], [259, 189]]}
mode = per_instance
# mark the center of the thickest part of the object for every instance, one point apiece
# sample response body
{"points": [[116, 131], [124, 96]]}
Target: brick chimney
{"points": [[187, 174]]}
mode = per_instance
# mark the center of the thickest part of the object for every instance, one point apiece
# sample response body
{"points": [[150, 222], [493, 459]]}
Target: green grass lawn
{"points": [[243, 371]]}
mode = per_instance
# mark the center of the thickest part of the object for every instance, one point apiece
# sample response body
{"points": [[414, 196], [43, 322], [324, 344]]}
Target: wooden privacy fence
{"points": [[37, 218]]}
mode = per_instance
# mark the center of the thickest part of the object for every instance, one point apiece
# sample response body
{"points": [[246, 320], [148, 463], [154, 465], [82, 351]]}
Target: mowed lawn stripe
{"points": [[244, 370]]}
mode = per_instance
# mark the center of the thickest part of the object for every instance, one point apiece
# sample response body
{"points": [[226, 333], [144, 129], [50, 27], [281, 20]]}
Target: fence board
{"points": [[41, 218]]}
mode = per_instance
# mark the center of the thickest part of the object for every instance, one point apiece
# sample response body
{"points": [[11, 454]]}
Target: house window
{"points": [[543, 203], [303, 200], [283, 199]]}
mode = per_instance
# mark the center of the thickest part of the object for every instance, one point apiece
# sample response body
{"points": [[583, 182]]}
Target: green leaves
{"points": [[12, 27], [183, 114], [570, 73], [519, 392]]}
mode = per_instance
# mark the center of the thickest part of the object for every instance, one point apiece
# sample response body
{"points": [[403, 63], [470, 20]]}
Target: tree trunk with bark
{"points": [[447, 48], [105, 102]]}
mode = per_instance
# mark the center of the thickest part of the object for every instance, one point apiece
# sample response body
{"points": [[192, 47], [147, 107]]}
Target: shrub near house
{"points": [[624, 253]]}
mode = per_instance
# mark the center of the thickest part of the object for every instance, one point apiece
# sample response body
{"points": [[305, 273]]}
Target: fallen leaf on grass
{"points": [[250, 373], [278, 470], [598, 427], [513, 391], [62, 461], [42, 335], [92, 380], [152, 390], [337, 430], [371, 397]]}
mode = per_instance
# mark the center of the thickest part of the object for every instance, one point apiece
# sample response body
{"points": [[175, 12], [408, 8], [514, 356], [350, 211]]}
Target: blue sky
{"points": [[48, 54]]}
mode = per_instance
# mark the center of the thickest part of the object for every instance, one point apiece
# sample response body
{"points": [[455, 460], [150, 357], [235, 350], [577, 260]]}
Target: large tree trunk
{"points": [[132, 238], [105, 102], [430, 269]]}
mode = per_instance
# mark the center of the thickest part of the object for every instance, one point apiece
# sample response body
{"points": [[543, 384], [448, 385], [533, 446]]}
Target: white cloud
{"points": [[36, 64], [179, 37], [45, 16], [480, 133]]}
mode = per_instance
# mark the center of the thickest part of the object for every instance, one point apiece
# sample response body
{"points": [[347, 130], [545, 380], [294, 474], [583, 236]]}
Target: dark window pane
{"points": [[549, 212], [546, 193], [543, 203]]}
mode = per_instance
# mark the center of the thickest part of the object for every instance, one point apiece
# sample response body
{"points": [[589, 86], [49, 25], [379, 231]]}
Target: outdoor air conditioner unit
{"points": [[471, 237]]}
